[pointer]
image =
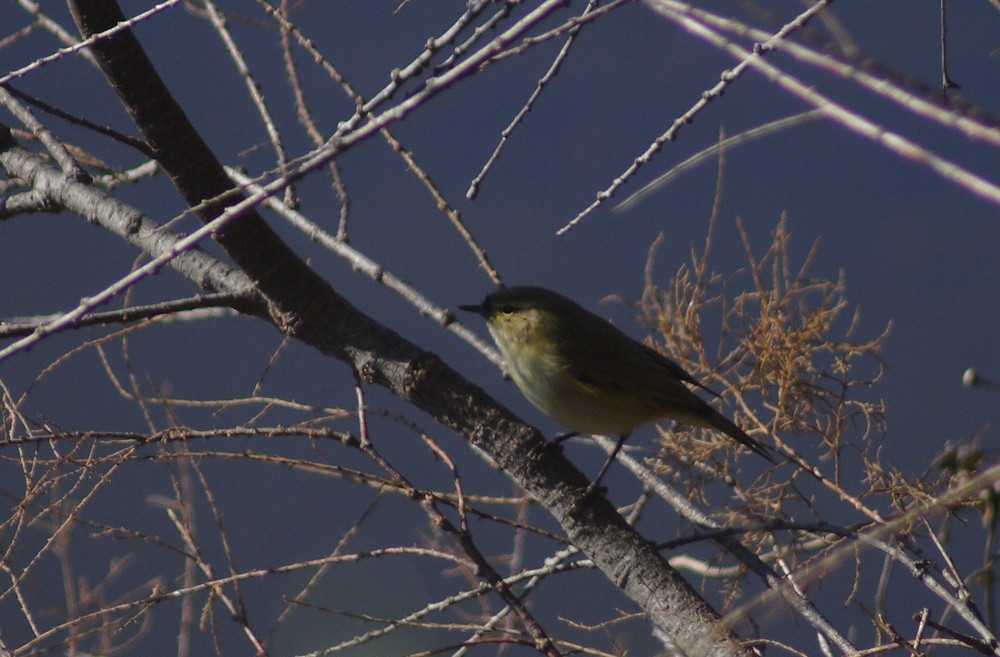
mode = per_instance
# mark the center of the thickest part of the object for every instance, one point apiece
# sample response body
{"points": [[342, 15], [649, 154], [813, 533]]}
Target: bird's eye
{"points": [[507, 309]]}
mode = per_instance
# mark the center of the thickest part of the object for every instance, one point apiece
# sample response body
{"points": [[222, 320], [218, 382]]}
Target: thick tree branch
{"points": [[125, 221], [304, 305]]}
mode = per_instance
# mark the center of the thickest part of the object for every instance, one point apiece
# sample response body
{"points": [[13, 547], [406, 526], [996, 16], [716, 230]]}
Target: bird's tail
{"points": [[726, 426]]}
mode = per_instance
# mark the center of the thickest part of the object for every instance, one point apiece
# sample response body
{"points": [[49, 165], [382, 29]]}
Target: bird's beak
{"points": [[479, 310]]}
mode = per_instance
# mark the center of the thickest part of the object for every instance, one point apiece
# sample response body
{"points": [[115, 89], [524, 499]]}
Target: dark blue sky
{"points": [[917, 251]]}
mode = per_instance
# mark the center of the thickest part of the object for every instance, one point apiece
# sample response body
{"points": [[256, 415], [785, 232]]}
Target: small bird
{"points": [[589, 376]]}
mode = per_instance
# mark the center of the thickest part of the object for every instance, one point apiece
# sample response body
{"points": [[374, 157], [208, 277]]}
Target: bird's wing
{"points": [[599, 357], [676, 370], [596, 360]]}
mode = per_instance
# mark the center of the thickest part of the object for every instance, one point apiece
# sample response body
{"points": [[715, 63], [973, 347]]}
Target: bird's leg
{"points": [[563, 437], [555, 445], [607, 464]]}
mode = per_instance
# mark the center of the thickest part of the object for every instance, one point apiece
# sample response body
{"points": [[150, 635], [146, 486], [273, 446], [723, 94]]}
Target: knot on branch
{"points": [[288, 322]]}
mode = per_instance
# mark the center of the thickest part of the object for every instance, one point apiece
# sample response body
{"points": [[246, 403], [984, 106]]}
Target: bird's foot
{"points": [[550, 447], [595, 488], [591, 492], [554, 446]]}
